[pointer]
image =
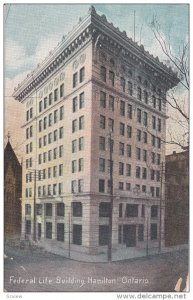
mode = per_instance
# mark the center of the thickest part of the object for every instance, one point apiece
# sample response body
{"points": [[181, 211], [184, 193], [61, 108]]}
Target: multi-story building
{"points": [[177, 199], [96, 82]]}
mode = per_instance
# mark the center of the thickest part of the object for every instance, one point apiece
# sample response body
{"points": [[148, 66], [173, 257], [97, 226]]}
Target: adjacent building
{"points": [[96, 82], [12, 193], [177, 199]]}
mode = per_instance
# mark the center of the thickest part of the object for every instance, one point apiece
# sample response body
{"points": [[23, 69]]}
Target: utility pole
{"points": [[111, 201], [134, 26], [69, 228], [160, 218], [35, 206]]}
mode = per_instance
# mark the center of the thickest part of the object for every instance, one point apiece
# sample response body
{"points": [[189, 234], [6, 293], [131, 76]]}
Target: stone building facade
{"points": [[97, 81], [12, 194]]}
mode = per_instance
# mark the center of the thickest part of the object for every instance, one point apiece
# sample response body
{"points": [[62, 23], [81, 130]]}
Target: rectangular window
{"points": [[80, 185], [112, 78], [153, 231], [74, 146], [40, 125], [40, 142], [138, 153], [152, 191], [154, 101], [122, 108], [60, 209], [122, 129], [61, 90], [121, 148], [81, 143], [55, 171], [45, 102], [81, 122], [159, 125], [103, 235], [61, 170], [144, 173], [28, 227], [138, 135], [49, 172], [131, 210], [153, 157], [31, 112], [120, 210], [54, 189], [74, 186], [144, 189], [55, 153], [40, 106], [102, 99], [74, 125], [138, 172], [154, 211], [121, 168], [145, 137], [129, 131], [102, 122], [140, 232], [48, 211], [129, 151], [139, 93], [82, 74], [49, 138], [145, 94], [55, 135], [153, 122], [152, 174], [28, 209], [103, 73], [128, 170], [101, 185], [60, 231], [129, 111], [44, 156], [145, 118], [123, 84], [139, 115], [158, 142], [104, 209], [101, 165], [75, 79], [75, 104], [128, 186], [81, 164], [121, 186], [153, 140], [111, 103], [48, 230], [77, 234], [45, 122], [40, 159], [74, 166], [101, 143], [61, 151], [157, 192], [55, 94], [110, 125], [158, 159], [160, 104], [61, 113], [55, 116], [61, 132], [50, 98], [130, 88], [50, 120], [81, 100], [60, 188]]}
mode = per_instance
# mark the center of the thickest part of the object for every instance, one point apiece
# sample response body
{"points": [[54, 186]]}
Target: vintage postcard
{"points": [[96, 148]]}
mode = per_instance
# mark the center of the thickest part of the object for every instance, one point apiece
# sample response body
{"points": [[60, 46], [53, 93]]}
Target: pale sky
{"points": [[32, 30]]}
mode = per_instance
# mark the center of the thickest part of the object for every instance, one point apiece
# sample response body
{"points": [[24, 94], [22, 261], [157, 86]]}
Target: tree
{"points": [[177, 97]]}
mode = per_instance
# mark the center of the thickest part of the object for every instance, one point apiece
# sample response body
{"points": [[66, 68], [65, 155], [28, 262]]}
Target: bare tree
{"points": [[178, 101]]}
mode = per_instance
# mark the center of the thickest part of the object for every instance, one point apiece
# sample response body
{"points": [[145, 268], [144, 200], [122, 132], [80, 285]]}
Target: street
{"points": [[35, 271]]}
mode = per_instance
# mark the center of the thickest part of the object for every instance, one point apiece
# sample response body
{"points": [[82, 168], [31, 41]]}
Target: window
{"points": [[138, 135], [145, 97], [55, 94], [121, 186], [103, 235], [81, 143], [122, 129], [104, 209], [74, 104], [75, 79], [154, 211], [140, 232], [111, 125], [55, 135], [102, 99], [121, 168], [73, 186], [61, 150], [74, 146], [54, 189], [143, 211], [60, 232], [48, 230], [145, 137], [153, 157], [128, 150], [28, 209], [82, 74], [39, 191], [157, 192], [40, 125], [160, 104], [61, 90], [40, 159], [152, 191], [159, 125], [121, 148], [138, 172], [31, 112], [55, 116], [61, 170], [123, 84], [131, 210], [60, 188], [38, 209], [74, 166], [61, 113], [49, 138], [152, 174], [145, 118], [101, 143], [153, 140], [128, 186], [158, 142], [81, 100], [44, 156], [153, 231], [74, 125], [144, 189], [154, 101], [112, 78], [80, 185], [60, 209], [128, 170], [81, 164], [77, 209], [28, 227], [103, 73], [55, 153], [110, 165], [27, 115], [40, 106], [77, 234], [102, 121], [101, 165], [122, 108], [48, 211], [50, 98], [129, 131], [50, 120], [139, 115], [153, 122], [45, 102], [61, 132], [45, 122], [139, 93], [101, 185], [111, 103], [144, 173], [81, 122], [49, 172], [130, 88], [158, 159], [129, 111], [54, 171], [138, 153], [40, 142]]}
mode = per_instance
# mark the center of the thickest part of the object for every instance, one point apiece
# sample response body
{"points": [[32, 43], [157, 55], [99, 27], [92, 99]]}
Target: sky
{"points": [[32, 30]]}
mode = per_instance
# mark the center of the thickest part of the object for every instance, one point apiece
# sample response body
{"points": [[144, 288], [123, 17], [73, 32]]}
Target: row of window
{"points": [[78, 145], [78, 165], [51, 119], [52, 97], [49, 190], [54, 172], [127, 87], [78, 124], [51, 154], [52, 136]]}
